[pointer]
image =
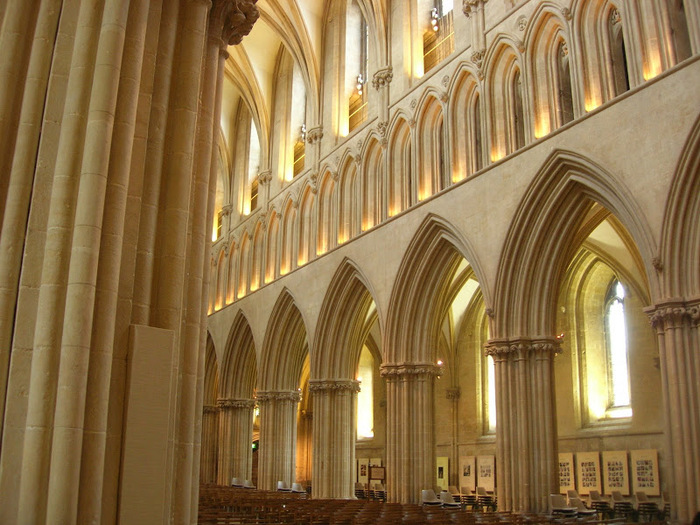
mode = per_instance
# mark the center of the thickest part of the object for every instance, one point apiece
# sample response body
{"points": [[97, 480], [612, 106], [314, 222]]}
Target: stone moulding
{"points": [[521, 347], [325, 385], [235, 403], [399, 370], [282, 395]]}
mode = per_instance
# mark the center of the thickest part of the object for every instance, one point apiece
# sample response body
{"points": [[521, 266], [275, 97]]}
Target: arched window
{"points": [[566, 102], [356, 61], [365, 398], [518, 122], [253, 167], [491, 383], [616, 352], [477, 153], [618, 56], [438, 39], [297, 121]]}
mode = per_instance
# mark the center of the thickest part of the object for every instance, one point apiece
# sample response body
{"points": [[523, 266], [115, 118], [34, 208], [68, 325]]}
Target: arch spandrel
{"points": [[538, 244]]}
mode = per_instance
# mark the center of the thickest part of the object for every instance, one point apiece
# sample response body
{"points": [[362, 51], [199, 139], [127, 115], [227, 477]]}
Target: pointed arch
{"points": [[272, 247], [467, 125], [287, 243], [232, 281], [399, 173], [349, 200], [326, 213], [305, 246], [210, 417], [372, 177], [339, 332], [418, 298], [257, 256], [548, 65], [243, 265], [432, 169], [506, 86], [680, 246], [538, 247], [221, 278], [284, 348], [239, 362]]}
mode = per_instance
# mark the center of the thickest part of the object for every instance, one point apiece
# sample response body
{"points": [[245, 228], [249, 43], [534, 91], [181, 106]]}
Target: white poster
{"points": [[615, 472], [443, 472], [645, 471], [588, 472], [486, 472], [566, 472], [467, 473]]}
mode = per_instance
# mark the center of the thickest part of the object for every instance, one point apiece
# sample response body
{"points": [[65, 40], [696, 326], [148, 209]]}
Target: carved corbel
{"points": [[382, 77]]}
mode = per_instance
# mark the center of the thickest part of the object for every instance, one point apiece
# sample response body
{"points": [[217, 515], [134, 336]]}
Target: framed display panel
{"points": [[615, 472], [567, 480], [377, 473], [645, 472], [363, 470], [467, 472], [588, 472], [486, 472], [443, 472]]}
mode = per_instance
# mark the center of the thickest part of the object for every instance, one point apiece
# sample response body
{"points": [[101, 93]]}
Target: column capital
{"points": [[672, 313], [210, 409], [314, 134], [406, 370], [232, 19], [382, 77], [235, 403], [335, 385], [279, 395], [521, 347], [469, 7]]}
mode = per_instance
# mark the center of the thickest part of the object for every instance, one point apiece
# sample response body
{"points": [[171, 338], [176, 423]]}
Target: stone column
{"points": [[334, 435], [50, 326], [278, 436], [453, 394], [208, 466], [526, 434], [474, 10], [235, 439], [410, 446], [677, 324]]}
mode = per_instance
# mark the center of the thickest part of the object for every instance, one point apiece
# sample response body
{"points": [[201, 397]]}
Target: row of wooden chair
{"points": [[235, 505]]}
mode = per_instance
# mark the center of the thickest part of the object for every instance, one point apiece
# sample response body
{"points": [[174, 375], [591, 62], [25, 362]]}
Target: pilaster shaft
{"points": [[235, 439]]}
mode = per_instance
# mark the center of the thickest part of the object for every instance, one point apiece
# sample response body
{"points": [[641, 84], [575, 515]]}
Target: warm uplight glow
{"points": [[653, 66], [342, 238], [591, 104], [542, 128], [254, 286], [213, 233], [496, 155], [301, 261], [439, 362], [284, 269], [392, 211], [246, 208], [367, 224], [321, 249], [458, 176]]}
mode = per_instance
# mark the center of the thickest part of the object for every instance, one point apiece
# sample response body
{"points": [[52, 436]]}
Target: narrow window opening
{"points": [[566, 103], [621, 81], [617, 359]]}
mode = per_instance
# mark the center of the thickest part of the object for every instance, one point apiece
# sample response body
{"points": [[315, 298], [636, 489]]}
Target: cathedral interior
{"points": [[421, 243]]}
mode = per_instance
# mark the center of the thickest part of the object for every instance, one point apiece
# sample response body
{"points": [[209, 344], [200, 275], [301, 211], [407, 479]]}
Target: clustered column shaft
{"points": [[526, 435], [235, 439], [677, 325], [410, 451], [278, 437], [334, 433]]}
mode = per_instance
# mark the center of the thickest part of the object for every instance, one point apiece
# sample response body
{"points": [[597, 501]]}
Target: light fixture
{"points": [[303, 132], [360, 83], [434, 17]]}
